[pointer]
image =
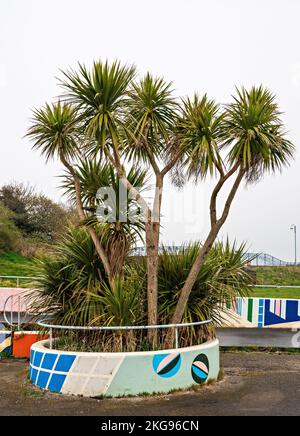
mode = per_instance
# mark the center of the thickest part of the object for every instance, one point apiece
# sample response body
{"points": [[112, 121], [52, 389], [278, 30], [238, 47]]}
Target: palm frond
{"points": [[55, 130], [198, 132], [254, 131], [99, 94]]}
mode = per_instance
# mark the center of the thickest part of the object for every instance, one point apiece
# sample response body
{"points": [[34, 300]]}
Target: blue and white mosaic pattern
{"points": [[117, 374], [49, 371]]}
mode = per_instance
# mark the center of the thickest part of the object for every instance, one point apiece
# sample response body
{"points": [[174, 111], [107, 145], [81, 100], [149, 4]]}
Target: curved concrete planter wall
{"points": [[121, 374]]}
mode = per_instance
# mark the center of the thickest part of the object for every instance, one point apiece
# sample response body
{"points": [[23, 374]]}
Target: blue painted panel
{"points": [[56, 382], [34, 374], [43, 379], [37, 359], [291, 313], [49, 361], [65, 363]]}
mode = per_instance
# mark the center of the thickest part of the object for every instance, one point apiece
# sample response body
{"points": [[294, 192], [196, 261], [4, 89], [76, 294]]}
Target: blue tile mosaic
{"points": [[56, 382], [65, 363], [49, 361]]}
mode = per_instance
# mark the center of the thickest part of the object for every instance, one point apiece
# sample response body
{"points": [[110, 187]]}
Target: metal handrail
{"points": [[17, 278], [105, 328], [19, 302], [275, 286]]}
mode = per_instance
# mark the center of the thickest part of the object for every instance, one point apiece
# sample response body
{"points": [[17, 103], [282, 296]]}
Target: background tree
{"points": [[39, 219], [9, 234], [17, 197]]}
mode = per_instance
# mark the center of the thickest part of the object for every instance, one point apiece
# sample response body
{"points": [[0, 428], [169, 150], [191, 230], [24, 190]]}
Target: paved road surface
{"points": [[255, 384], [259, 337]]}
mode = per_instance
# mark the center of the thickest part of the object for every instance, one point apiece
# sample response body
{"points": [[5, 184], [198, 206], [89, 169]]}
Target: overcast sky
{"points": [[208, 46]]}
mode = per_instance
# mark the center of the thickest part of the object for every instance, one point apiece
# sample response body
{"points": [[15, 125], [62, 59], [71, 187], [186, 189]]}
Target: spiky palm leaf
{"points": [[67, 278], [222, 278], [198, 133], [152, 115], [120, 217], [55, 130], [99, 94], [254, 131]]}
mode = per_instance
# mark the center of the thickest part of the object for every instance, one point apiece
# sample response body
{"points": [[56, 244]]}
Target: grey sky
{"points": [[200, 45]]}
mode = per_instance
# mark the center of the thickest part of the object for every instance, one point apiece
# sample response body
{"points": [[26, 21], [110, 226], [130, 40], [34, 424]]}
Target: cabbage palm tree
{"points": [[107, 114], [56, 133], [134, 119], [253, 133], [117, 212]]}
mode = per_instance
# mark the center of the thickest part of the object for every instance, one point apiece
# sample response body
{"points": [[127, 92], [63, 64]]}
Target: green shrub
{"points": [[9, 234], [74, 291]]}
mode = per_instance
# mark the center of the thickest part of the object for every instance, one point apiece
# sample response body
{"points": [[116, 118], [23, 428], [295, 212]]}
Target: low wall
{"points": [[5, 342], [268, 312], [123, 374], [20, 343]]}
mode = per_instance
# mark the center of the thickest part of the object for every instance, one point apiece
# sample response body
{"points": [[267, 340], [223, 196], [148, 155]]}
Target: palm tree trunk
{"points": [[204, 251], [152, 241], [152, 247]]}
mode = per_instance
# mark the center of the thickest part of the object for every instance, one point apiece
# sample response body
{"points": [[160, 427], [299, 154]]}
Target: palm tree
{"points": [[121, 224], [135, 119], [108, 115], [56, 131], [252, 131]]}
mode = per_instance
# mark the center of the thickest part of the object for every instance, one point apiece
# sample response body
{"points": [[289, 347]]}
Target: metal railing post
{"points": [[19, 312], [51, 338], [11, 310], [176, 338]]}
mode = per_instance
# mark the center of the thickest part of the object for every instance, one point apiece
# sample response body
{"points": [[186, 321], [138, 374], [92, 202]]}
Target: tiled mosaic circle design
{"points": [[200, 369], [166, 365]]}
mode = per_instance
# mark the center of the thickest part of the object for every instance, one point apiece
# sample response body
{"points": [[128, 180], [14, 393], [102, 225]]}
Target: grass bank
{"points": [[289, 293], [277, 276], [12, 264]]}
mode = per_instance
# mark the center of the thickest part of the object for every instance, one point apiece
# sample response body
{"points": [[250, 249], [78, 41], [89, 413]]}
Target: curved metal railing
{"points": [[52, 327], [18, 305]]}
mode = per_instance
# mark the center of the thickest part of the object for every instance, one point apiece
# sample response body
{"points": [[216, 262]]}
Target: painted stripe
{"points": [[250, 310], [272, 305], [201, 365], [200, 373], [283, 309], [166, 361], [5, 344], [277, 307], [261, 313], [244, 308], [255, 311]]}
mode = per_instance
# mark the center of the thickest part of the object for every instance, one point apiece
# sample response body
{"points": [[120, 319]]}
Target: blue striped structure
{"points": [[49, 370]]}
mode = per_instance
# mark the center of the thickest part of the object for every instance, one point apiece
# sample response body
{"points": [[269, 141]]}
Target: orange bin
{"points": [[22, 342]]}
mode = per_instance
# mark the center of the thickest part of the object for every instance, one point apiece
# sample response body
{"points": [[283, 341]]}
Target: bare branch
{"points": [[216, 191]]}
